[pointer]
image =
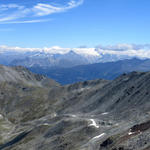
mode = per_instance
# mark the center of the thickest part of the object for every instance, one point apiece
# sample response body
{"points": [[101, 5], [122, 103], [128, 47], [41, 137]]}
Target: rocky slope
{"points": [[39, 114]]}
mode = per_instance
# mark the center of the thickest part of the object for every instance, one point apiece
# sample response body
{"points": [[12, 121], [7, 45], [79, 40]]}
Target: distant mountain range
{"points": [[109, 70], [68, 66], [63, 57], [55, 57]]}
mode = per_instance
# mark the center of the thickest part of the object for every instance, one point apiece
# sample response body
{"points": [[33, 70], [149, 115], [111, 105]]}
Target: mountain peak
{"points": [[22, 75]]}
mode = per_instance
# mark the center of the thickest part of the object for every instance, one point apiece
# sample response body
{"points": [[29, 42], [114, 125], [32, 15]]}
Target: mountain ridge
{"points": [[67, 57], [108, 71]]}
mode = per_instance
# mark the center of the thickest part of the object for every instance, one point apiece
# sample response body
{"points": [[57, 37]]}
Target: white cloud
{"points": [[45, 9], [14, 12], [130, 50], [5, 7], [42, 9], [26, 21], [121, 47]]}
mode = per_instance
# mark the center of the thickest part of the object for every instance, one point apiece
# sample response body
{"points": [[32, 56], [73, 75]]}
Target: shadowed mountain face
{"points": [[108, 71], [36, 113]]}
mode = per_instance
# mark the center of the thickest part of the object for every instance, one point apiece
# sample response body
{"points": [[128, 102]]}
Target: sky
{"points": [[74, 23]]}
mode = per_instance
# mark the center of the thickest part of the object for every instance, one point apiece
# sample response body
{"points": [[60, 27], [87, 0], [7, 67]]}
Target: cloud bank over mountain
{"points": [[119, 50]]}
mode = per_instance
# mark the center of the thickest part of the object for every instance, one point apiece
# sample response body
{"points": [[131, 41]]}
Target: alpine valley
{"points": [[94, 104], [37, 113]]}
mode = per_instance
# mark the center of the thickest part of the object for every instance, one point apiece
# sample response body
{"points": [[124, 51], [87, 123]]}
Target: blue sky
{"points": [[73, 23]]}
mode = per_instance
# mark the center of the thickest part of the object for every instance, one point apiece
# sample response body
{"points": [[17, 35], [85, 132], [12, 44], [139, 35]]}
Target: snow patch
{"points": [[94, 123], [1, 116], [74, 116], [99, 136], [46, 124], [105, 113], [130, 133], [117, 124], [83, 89], [54, 115]]}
